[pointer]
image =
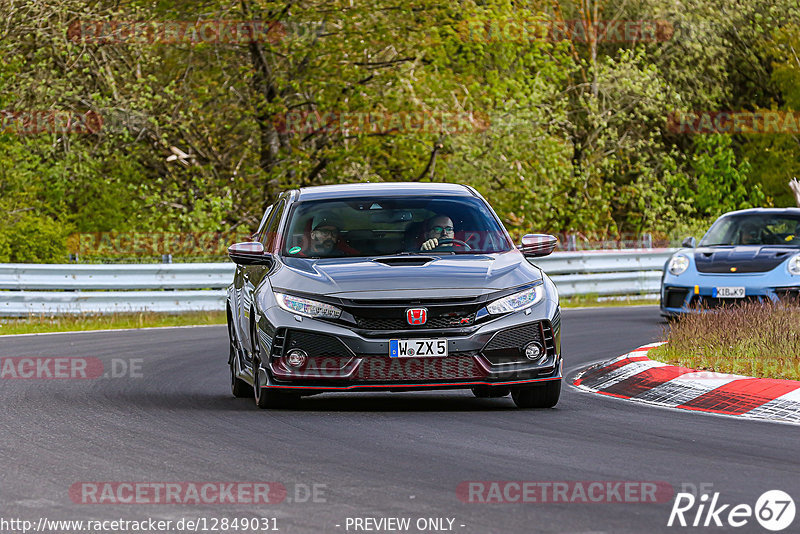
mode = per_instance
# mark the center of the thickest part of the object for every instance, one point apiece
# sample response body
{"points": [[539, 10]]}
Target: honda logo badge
{"points": [[416, 316]]}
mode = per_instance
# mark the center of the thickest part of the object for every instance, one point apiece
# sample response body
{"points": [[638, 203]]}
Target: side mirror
{"points": [[538, 245], [249, 253], [689, 242]]}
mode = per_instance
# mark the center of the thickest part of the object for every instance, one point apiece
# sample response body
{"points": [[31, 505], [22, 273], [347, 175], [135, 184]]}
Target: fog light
{"points": [[296, 358], [533, 351]]}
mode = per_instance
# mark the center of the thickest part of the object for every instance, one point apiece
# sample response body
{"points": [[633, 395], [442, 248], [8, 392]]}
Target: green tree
{"points": [[720, 182]]}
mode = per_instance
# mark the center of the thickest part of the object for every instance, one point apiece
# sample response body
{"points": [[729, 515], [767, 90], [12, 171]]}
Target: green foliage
{"points": [[774, 156], [5, 248], [719, 183], [33, 239], [576, 138]]}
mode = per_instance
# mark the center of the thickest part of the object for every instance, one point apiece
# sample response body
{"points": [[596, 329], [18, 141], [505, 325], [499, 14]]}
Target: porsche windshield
{"points": [[754, 229], [380, 225]]}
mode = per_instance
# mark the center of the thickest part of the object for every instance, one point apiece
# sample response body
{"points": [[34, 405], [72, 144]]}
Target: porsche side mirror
{"points": [[538, 245], [689, 242], [249, 253]]}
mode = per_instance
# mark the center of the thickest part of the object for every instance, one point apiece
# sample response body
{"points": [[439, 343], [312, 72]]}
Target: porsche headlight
{"points": [[517, 301], [306, 307], [678, 264], [794, 264]]}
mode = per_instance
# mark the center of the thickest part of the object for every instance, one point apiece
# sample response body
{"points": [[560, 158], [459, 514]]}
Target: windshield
{"points": [[379, 226], [754, 229]]}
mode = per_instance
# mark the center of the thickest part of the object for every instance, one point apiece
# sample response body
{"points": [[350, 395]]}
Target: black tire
{"points": [[489, 392], [271, 399], [239, 388], [544, 396], [267, 398]]}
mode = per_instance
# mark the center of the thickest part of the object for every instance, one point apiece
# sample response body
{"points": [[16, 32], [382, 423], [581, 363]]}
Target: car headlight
{"points": [[678, 264], [794, 264], [517, 301], [306, 307]]}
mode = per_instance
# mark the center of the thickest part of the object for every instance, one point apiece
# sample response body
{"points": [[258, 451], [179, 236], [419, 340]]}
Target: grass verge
{"points": [[594, 301], [753, 339], [37, 324]]}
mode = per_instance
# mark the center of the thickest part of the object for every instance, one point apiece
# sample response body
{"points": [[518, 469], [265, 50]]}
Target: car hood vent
{"points": [[741, 259], [404, 260]]}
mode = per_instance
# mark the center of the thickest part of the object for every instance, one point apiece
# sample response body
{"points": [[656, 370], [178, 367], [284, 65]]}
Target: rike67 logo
{"points": [[774, 510]]}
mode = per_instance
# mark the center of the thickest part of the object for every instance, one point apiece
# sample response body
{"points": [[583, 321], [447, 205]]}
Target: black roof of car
{"points": [[394, 189]]}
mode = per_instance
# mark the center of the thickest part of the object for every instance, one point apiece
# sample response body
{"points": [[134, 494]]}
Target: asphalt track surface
{"points": [[375, 454]]}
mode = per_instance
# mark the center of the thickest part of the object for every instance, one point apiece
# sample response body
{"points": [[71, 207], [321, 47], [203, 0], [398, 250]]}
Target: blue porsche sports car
{"points": [[746, 255]]}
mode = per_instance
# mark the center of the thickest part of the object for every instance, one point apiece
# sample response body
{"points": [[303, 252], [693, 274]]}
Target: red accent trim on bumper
{"points": [[422, 385]]}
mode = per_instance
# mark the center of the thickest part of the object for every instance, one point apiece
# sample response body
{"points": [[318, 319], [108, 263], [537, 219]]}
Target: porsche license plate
{"points": [[417, 348], [729, 292]]}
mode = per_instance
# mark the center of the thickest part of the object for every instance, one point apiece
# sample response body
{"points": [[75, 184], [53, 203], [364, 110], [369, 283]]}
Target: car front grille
{"points": [[329, 358], [450, 320], [712, 303], [390, 315]]}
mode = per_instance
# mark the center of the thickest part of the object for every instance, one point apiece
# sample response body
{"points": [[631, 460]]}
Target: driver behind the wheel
{"points": [[438, 228], [750, 235], [324, 238]]}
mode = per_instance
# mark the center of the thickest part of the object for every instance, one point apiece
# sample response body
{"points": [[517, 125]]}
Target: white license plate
{"points": [[729, 292], [417, 348]]}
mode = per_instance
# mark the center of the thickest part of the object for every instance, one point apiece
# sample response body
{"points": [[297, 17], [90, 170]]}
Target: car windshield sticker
{"points": [[294, 250]]}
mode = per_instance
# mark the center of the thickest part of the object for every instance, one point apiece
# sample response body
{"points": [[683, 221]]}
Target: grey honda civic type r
{"points": [[391, 287]]}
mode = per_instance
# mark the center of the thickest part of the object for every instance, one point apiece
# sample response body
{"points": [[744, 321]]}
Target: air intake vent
{"points": [[404, 260], [507, 345]]}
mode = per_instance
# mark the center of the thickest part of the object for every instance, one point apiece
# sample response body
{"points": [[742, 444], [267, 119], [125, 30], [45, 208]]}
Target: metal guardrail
{"points": [[71, 276], [604, 273], [22, 303], [83, 288]]}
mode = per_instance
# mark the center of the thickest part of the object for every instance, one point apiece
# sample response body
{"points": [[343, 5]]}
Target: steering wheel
{"points": [[448, 241]]}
